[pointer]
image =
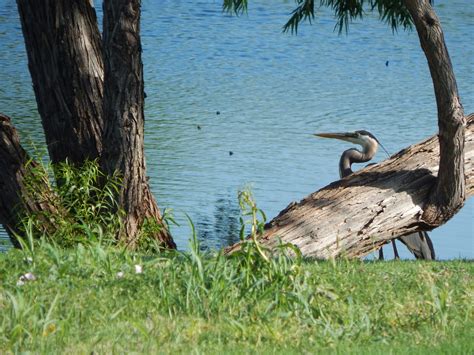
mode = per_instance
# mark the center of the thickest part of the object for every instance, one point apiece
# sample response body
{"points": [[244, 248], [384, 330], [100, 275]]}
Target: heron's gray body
{"points": [[418, 243]]}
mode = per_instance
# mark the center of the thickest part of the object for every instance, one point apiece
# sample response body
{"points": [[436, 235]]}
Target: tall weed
{"points": [[86, 200]]}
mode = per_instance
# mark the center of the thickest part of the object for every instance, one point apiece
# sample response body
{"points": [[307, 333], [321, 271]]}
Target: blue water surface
{"points": [[233, 101]]}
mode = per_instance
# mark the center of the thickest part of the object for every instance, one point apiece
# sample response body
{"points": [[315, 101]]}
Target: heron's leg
{"points": [[381, 253], [426, 247], [395, 251]]}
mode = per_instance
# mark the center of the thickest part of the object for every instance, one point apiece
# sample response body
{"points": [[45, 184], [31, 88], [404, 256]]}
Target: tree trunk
{"points": [[124, 118], [66, 64], [448, 194], [357, 215], [22, 191], [63, 44]]}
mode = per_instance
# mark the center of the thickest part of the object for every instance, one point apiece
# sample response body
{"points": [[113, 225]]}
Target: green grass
{"points": [[251, 302], [190, 302]]}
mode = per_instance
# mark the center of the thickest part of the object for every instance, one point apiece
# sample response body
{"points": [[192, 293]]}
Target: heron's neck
{"points": [[353, 156]]}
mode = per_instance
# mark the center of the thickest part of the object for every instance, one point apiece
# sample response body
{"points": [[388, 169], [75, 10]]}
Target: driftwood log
{"points": [[356, 215]]}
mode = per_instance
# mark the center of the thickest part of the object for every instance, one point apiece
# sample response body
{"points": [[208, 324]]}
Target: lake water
{"points": [[272, 90]]}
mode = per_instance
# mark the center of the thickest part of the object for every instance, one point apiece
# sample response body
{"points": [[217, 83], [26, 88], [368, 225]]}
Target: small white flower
{"points": [[138, 269], [24, 278], [29, 276], [120, 274]]}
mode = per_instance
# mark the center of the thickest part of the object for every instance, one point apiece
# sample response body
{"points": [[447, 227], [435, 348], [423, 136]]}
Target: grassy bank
{"points": [[91, 298]]}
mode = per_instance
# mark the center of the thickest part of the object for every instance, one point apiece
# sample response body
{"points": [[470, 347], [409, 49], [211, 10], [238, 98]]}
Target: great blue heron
{"points": [[418, 243]]}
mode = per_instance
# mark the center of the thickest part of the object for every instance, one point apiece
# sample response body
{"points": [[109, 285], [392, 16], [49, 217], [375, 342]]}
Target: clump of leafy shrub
{"points": [[85, 204]]}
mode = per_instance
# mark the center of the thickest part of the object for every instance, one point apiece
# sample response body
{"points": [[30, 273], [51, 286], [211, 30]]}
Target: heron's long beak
{"points": [[347, 136]]}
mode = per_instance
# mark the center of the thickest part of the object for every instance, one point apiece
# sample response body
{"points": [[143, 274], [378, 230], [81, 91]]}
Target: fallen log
{"points": [[354, 216]]}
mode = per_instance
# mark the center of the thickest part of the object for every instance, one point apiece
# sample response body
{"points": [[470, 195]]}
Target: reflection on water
{"points": [[224, 222], [271, 90]]}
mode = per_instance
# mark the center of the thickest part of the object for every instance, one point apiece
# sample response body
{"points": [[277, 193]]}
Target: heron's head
{"points": [[363, 138]]}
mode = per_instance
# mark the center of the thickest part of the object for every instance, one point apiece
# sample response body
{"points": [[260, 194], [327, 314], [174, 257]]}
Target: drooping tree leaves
{"points": [[235, 6], [392, 12]]}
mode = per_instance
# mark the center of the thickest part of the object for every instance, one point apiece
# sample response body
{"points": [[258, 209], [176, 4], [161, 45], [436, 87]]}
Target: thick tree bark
{"points": [[21, 190], [356, 215], [63, 43], [448, 194], [123, 111]]}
